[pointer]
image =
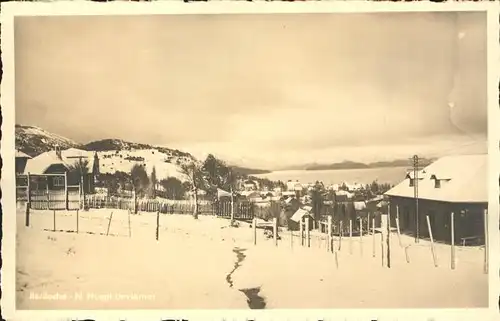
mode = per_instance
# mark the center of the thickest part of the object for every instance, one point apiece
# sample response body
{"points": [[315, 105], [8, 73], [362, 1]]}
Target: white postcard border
{"points": [[12, 9]]}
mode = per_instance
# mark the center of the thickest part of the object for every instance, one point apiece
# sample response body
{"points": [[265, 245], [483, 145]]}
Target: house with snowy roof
{"points": [[60, 161], [455, 184], [301, 214]]}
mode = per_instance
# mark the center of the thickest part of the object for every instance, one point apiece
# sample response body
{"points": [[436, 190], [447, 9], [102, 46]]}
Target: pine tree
{"points": [[154, 182]]}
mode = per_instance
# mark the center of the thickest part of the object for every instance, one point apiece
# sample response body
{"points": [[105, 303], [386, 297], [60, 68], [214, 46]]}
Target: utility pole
{"points": [[415, 195], [415, 169]]}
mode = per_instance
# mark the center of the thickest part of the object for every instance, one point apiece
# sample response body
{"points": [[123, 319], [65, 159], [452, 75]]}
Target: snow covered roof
{"points": [[376, 199], [345, 193], [222, 193], [69, 157], [299, 214], [464, 180], [250, 193], [359, 206], [20, 154]]}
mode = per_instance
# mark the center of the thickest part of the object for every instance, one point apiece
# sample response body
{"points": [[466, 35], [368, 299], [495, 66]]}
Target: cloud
{"points": [[245, 83]]}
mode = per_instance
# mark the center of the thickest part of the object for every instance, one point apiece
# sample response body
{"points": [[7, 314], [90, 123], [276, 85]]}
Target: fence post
{"points": [[399, 232], [329, 247], [28, 214], [301, 223], [389, 235], [47, 191], [77, 221], [432, 241], [341, 233], [80, 196], [486, 241], [308, 235], [109, 223], [361, 235], [157, 225], [452, 226], [373, 235], [350, 236], [129, 227], [291, 239], [28, 188], [54, 220], [134, 202], [368, 223], [254, 225], [275, 230], [382, 246]]}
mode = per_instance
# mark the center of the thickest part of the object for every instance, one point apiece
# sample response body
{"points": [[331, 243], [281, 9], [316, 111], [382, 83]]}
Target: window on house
{"points": [[412, 182], [437, 183], [58, 181]]}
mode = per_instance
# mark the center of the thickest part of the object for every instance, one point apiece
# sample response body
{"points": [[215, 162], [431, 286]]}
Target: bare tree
{"points": [[219, 175], [140, 182], [194, 174], [79, 170]]}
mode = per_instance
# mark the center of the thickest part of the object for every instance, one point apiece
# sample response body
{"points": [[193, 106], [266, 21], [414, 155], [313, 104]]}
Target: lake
{"points": [[391, 175]]}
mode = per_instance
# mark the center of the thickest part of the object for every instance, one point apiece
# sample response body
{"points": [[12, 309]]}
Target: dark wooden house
{"points": [[81, 168], [455, 184]]}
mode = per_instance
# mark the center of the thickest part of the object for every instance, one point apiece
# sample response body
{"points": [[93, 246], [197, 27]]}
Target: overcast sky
{"points": [[260, 90]]}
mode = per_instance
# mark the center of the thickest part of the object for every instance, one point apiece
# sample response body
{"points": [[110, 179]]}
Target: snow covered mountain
{"points": [[118, 155], [114, 154], [33, 140]]}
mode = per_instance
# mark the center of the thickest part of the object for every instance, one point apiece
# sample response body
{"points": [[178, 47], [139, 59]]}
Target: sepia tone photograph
{"points": [[251, 161]]}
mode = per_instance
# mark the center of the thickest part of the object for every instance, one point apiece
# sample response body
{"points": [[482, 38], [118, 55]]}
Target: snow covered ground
{"points": [[206, 264], [166, 165]]}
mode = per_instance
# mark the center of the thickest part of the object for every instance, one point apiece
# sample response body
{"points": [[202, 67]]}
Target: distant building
{"points": [[452, 184], [63, 161], [294, 186], [301, 214], [249, 185], [333, 187], [288, 194], [251, 196]]}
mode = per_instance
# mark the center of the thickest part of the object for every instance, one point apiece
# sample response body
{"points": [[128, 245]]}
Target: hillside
{"points": [[33, 140], [118, 155], [115, 154]]}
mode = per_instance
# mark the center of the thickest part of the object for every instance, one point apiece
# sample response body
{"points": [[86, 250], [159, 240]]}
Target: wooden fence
{"points": [[55, 200], [360, 222], [242, 210], [49, 200]]}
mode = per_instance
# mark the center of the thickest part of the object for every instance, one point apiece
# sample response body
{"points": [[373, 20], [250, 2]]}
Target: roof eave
{"points": [[442, 200]]}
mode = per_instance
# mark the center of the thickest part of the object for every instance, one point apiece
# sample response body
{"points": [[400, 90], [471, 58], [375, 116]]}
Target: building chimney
{"points": [[58, 152]]}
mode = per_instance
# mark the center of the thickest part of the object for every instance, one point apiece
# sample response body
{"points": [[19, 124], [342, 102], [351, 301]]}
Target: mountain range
{"points": [[120, 155], [357, 165]]}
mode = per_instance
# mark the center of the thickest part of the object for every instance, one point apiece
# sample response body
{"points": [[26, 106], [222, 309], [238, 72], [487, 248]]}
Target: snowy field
{"points": [[206, 264]]}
